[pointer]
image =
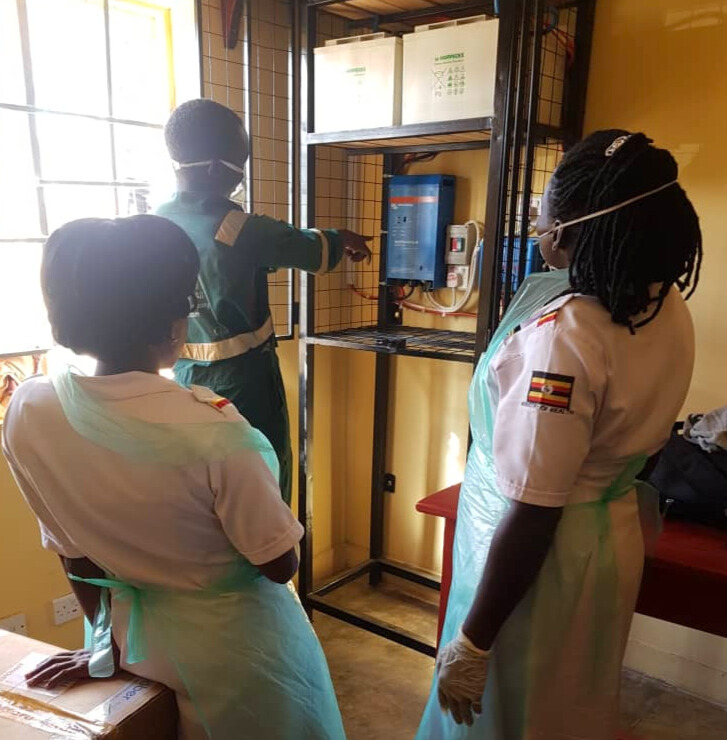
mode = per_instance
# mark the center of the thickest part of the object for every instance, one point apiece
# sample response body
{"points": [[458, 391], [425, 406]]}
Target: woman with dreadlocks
{"points": [[565, 407]]}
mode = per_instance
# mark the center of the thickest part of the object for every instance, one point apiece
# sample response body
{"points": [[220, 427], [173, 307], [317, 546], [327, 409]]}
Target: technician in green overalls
{"points": [[231, 342]]}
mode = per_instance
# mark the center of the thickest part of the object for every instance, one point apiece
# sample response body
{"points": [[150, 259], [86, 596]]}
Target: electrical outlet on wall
{"points": [[66, 608], [16, 623]]}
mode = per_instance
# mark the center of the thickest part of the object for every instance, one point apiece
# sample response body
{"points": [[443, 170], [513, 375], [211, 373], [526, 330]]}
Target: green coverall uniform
{"points": [[231, 342]]}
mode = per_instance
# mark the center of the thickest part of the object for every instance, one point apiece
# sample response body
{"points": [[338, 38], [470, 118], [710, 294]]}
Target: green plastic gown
{"points": [[570, 629], [243, 649]]}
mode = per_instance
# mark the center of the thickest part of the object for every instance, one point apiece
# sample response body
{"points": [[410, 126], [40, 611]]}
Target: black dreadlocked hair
{"points": [[617, 257]]}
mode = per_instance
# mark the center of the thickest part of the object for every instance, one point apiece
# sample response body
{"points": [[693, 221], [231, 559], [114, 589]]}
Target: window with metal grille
{"points": [[85, 89]]}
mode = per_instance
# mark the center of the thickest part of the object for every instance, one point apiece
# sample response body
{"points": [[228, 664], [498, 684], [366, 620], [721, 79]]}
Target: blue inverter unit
{"points": [[419, 210]]}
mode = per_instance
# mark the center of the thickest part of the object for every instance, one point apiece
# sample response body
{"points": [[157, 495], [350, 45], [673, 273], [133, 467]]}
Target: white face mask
{"points": [[239, 195], [559, 227], [209, 163]]}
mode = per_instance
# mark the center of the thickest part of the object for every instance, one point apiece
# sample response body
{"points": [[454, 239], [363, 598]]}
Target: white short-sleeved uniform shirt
{"points": [[580, 396], [177, 527]]}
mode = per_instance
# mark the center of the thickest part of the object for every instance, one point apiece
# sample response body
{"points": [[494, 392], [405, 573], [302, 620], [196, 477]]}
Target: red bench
{"points": [[684, 583]]}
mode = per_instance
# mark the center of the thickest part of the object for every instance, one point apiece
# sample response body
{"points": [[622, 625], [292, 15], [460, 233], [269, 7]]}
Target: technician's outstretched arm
{"points": [[312, 250]]}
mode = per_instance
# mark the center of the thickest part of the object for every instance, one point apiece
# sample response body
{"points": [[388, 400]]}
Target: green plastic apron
{"points": [[243, 648], [555, 669]]}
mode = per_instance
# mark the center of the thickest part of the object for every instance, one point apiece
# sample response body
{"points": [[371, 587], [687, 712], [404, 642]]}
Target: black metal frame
{"points": [[513, 135]]}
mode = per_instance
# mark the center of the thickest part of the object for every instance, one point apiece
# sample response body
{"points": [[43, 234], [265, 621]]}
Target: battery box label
{"points": [[449, 77]]}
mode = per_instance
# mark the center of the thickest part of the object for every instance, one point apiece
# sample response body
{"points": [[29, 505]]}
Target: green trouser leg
{"points": [[252, 382]]}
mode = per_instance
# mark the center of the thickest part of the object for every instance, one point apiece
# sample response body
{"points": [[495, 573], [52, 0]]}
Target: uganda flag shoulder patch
{"points": [[550, 390], [548, 318]]}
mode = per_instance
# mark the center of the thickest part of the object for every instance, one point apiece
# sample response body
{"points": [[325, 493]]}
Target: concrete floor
{"points": [[382, 688]]}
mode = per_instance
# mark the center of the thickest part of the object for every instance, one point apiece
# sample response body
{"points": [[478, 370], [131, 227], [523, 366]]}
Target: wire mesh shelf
{"points": [[437, 344]]}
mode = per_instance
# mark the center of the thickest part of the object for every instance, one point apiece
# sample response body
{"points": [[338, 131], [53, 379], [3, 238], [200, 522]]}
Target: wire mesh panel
{"points": [[349, 194], [550, 55], [547, 158], [254, 80], [557, 56], [270, 121]]}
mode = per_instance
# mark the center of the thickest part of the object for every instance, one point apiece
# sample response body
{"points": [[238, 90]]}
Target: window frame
{"points": [[185, 73]]}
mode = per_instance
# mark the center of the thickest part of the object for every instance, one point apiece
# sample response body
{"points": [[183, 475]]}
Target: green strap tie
{"points": [[135, 636]]}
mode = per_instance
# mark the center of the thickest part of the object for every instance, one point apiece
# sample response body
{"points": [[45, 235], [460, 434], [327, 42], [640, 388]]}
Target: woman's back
{"points": [[172, 526]]}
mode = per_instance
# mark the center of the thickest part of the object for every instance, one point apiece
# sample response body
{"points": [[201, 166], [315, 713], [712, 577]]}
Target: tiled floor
{"points": [[382, 687]]}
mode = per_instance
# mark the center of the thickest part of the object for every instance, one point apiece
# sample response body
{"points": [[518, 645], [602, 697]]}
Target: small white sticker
{"points": [[14, 678], [132, 692]]}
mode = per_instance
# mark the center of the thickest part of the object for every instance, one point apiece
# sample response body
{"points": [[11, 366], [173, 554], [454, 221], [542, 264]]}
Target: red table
{"points": [[684, 583]]}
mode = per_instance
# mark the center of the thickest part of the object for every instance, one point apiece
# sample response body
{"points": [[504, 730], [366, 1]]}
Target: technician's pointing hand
{"points": [[354, 245], [461, 676]]}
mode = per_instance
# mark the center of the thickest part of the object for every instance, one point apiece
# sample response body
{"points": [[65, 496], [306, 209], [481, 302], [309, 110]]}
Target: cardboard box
{"points": [[121, 708]]}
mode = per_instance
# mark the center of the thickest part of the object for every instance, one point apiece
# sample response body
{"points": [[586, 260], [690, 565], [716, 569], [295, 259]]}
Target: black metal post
{"points": [[532, 118], [306, 358], [381, 399], [517, 152], [248, 84], [502, 122], [378, 464], [294, 143]]}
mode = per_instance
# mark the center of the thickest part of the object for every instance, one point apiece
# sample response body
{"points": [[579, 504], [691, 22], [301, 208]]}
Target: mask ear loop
{"points": [[557, 234]]}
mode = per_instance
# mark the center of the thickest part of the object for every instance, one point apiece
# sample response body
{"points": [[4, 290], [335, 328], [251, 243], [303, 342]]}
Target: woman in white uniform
{"points": [[163, 497], [580, 385]]}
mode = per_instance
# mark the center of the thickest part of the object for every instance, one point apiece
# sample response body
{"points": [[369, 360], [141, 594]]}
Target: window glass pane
{"points": [[141, 154], [12, 83], [141, 74], [17, 179], [133, 201], [68, 50], [73, 148], [68, 202], [29, 327]]}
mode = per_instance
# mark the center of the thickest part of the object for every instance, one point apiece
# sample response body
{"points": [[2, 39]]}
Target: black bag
{"points": [[692, 483]]}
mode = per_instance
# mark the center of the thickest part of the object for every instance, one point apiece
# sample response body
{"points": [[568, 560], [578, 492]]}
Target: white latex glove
{"points": [[461, 677]]}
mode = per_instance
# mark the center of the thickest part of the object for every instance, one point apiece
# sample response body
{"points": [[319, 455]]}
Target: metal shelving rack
{"points": [[539, 110]]}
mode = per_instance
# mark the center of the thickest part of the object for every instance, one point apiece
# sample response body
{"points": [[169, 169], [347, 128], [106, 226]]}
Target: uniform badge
{"points": [[550, 391], [205, 395], [219, 403], [547, 318]]}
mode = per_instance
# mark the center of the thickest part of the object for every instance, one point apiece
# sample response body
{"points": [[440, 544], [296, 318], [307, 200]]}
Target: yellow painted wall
{"points": [[658, 67], [30, 577]]}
